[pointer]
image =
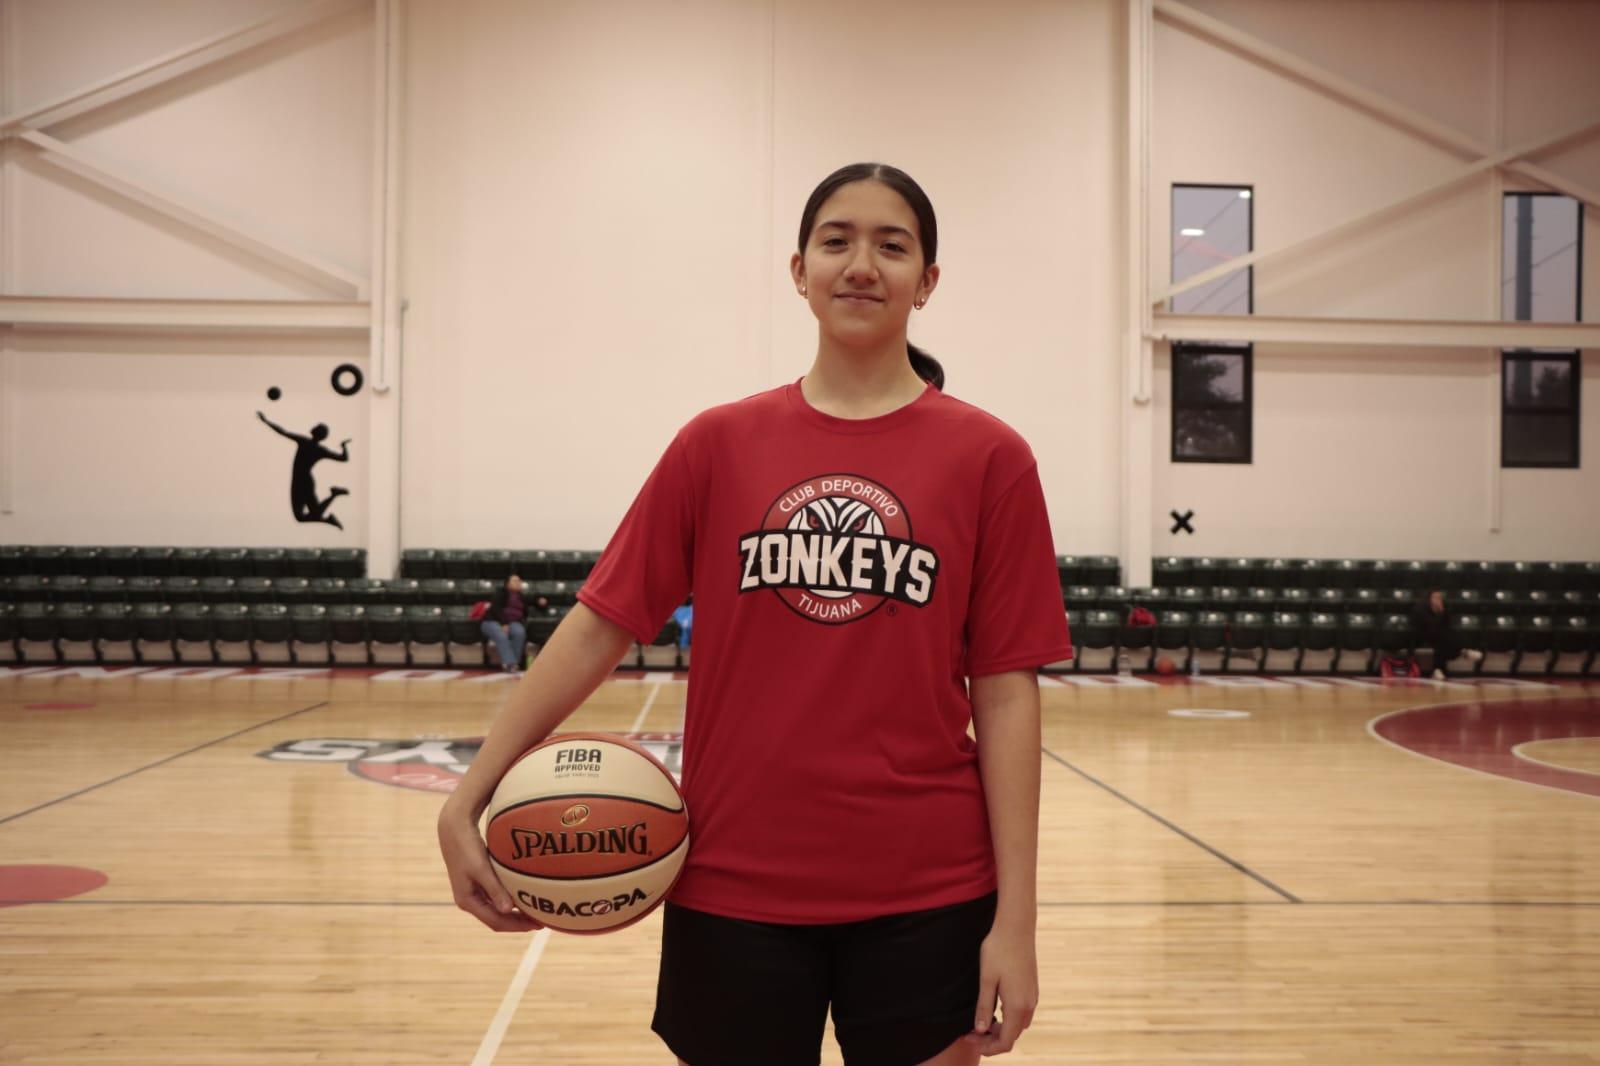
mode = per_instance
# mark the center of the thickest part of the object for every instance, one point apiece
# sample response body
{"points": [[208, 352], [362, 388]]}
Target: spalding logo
{"points": [[588, 909], [576, 814]]}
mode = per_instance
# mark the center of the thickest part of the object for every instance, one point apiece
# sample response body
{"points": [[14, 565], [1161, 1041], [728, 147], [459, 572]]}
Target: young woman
{"points": [[872, 571]]}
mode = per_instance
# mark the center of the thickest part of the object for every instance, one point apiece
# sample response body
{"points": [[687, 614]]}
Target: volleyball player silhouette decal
{"points": [[310, 450]]}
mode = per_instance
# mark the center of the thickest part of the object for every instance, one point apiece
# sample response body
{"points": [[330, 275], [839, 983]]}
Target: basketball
{"points": [[588, 832], [1165, 665]]}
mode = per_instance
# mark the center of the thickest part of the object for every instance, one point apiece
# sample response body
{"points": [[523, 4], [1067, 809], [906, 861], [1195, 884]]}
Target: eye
{"points": [[893, 247], [832, 241]]}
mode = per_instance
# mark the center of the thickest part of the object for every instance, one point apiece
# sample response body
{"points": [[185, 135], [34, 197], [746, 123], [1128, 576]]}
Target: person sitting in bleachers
{"points": [[503, 624], [1431, 624]]}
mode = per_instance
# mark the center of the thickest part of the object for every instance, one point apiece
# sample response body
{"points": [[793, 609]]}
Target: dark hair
{"points": [[926, 366]]}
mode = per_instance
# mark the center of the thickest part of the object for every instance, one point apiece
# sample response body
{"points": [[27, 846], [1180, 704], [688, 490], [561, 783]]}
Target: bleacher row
{"points": [[218, 604]]}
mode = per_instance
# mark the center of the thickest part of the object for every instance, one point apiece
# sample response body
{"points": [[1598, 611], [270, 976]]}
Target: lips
{"points": [[859, 297]]}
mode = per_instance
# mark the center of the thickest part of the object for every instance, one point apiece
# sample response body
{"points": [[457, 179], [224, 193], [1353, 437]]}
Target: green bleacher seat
{"points": [[367, 591], [1247, 632], [1069, 568], [402, 591], [329, 590], [567, 565], [175, 590], [1223, 599], [230, 623], [254, 590], [192, 623], [1311, 573], [230, 562], [1575, 644], [345, 564], [1083, 597], [1276, 573], [1293, 600], [1345, 574], [154, 624], [440, 591], [1097, 632], [114, 624], [532, 564], [1536, 642], [1209, 632], [192, 562], [156, 562], [1101, 570], [347, 624], [1171, 571], [464, 629], [13, 560], [1238, 572], [292, 591], [85, 560], [49, 560], [425, 625], [492, 564], [1204, 572], [1132, 639], [269, 624], [1499, 634], [69, 588], [268, 562], [1449, 575], [1285, 633], [1357, 640], [308, 624], [305, 562], [419, 564], [74, 622], [1174, 631], [1190, 598], [1328, 599], [386, 624], [30, 588], [1321, 633], [1259, 598], [1154, 600], [457, 564], [144, 589], [107, 589]]}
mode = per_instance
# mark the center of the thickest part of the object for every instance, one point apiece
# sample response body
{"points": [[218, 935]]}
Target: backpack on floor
{"points": [[1399, 666]]}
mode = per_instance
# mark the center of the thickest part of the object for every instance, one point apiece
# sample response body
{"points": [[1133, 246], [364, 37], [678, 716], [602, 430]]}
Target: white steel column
{"points": [[383, 377], [1137, 481], [1497, 186]]}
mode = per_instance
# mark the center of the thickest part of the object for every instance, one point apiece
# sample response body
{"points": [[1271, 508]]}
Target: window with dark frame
{"points": [[1539, 408], [1211, 403], [1212, 381], [1542, 282]]}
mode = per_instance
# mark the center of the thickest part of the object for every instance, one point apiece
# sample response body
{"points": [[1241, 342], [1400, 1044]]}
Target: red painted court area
{"points": [[1483, 736]]}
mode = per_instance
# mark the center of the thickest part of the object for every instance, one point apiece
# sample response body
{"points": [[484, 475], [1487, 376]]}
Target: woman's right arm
{"points": [[582, 652]]}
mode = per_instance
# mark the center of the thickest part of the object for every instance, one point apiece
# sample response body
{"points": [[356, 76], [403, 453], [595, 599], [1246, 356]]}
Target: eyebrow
{"points": [[881, 229]]}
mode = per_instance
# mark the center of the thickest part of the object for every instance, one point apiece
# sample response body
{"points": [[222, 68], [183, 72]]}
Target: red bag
{"points": [[1141, 616], [1399, 666], [479, 609]]}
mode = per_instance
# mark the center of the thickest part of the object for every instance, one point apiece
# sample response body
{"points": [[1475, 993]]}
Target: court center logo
{"points": [[835, 548], [434, 763]]}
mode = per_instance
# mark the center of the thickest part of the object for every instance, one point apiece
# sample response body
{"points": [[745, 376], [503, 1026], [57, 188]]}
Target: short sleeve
{"points": [[646, 571], [1016, 618]]}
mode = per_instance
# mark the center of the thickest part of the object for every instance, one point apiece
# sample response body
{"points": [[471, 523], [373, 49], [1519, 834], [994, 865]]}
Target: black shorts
{"points": [[903, 987]]}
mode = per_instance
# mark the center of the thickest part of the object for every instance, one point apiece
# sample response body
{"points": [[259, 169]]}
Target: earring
{"points": [[918, 304], [802, 290]]}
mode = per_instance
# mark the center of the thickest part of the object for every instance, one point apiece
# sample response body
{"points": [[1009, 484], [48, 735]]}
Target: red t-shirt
{"points": [[848, 576]]}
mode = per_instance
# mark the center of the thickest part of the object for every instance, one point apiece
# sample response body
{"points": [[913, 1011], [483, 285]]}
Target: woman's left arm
{"points": [[1005, 717]]}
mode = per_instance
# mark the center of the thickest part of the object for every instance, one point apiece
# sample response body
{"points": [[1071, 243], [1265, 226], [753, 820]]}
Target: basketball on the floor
{"points": [[588, 832], [1165, 665]]}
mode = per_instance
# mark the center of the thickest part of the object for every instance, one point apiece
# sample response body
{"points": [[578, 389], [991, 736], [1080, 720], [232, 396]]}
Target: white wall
{"points": [[152, 437], [599, 201], [602, 200], [1369, 452]]}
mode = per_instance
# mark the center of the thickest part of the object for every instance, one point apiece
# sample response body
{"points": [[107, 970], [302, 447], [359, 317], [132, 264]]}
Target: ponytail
{"points": [[926, 366]]}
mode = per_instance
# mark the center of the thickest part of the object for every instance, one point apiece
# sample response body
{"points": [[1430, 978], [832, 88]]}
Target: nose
{"points": [[861, 270]]}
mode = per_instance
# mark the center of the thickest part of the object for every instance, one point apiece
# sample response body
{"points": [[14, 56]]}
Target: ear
{"points": [[930, 281], [797, 270]]}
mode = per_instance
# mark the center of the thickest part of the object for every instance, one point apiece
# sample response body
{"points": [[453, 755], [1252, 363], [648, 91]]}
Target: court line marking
{"points": [[508, 1004], [160, 762], [1241, 867], [1372, 730], [650, 700]]}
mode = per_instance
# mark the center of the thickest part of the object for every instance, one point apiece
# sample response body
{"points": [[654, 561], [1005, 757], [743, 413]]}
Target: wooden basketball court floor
{"points": [[1232, 871]]}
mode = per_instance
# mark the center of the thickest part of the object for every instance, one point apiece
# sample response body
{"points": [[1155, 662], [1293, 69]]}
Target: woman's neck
{"points": [[852, 383]]}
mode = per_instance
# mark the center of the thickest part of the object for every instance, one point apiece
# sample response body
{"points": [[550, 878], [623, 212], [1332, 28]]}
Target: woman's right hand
{"points": [[472, 880]]}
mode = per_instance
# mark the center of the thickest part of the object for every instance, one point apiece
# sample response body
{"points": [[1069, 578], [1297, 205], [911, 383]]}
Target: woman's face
{"points": [[862, 270], [1436, 600], [514, 583]]}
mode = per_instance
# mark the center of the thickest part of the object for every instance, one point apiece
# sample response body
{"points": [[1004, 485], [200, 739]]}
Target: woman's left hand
{"points": [[1010, 981]]}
